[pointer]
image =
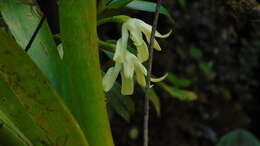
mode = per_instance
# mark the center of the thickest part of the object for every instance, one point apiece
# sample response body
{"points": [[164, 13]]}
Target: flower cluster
{"points": [[126, 63]]}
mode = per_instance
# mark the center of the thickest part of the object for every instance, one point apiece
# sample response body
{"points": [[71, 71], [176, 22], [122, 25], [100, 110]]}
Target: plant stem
{"points": [[107, 45], [118, 19], [82, 87], [148, 79]]}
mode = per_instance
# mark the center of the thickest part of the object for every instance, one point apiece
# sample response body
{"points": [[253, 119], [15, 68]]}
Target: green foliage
{"points": [[22, 22], [196, 53], [9, 134], [149, 7], [34, 92], [123, 105], [177, 81], [115, 4], [155, 100], [180, 94], [238, 138], [207, 68], [13, 109]]}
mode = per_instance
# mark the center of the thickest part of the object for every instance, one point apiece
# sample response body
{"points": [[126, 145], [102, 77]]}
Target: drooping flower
{"points": [[136, 28], [126, 63], [129, 67]]}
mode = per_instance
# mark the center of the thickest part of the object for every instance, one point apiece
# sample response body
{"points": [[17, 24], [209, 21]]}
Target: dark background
{"points": [[229, 37]]}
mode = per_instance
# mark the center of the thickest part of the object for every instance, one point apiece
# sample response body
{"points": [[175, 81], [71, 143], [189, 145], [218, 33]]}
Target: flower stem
{"points": [[148, 79], [107, 45]]}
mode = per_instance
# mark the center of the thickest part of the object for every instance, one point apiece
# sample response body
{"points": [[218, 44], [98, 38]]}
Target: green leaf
{"points": [[196, 53], [34, 92], [180, 94], [149, 7], [155, 100], [177, 81], [115, 4], [82, 87], [123, 105], [238, 138], [12, 108], [22, 20], [10, 135]]}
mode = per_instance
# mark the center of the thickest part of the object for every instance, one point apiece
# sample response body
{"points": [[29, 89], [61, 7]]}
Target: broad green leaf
{"points": [[177, 81], [180, 94], [149, 7], [22, 19], [115, 4], [155, 100], [196, 53], [10, 135], [123, 105], [12, 108], [238, 138], [82, 88], [34, 92]]}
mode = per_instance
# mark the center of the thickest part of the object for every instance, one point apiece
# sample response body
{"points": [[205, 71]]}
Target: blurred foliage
{"points": [[238, 138]]}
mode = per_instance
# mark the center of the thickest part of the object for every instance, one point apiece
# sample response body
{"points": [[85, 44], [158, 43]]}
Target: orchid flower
{"points": [[127, 68], [136, 28], [126, 63]]}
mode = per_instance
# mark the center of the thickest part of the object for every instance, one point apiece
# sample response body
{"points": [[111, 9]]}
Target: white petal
{"points": [[140, 78], [159, 79], [125, 36], [142, 52], [128, 65], [157, 34], [135, 33], [139, 67], [120, 52], [110, 77], [148, 28], [127, 85], [156, 44]]}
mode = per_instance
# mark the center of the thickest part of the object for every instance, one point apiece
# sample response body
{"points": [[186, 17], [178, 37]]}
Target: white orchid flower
{"points": [[126, 63], [129, 67], [136, 28]]}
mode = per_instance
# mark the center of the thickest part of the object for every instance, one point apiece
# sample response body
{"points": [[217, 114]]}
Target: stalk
{"points": [[81, 88]]}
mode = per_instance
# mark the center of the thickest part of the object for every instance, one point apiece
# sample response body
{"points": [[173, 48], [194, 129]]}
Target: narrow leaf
{"points": [[149, 7], [115, 4], [155, 100], [178, 81], [179, 93]]}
